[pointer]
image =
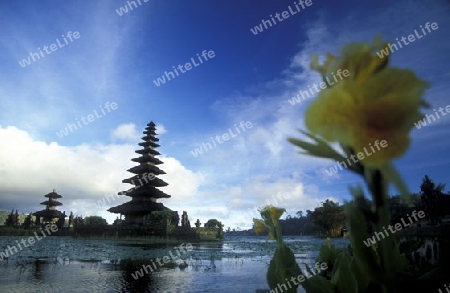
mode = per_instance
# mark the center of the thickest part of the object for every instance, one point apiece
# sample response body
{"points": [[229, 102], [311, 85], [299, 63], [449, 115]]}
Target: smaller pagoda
{"points": [[50, 213]]}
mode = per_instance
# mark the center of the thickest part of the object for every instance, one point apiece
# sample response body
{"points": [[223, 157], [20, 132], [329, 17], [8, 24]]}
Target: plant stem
{"points": [[377, 186]]}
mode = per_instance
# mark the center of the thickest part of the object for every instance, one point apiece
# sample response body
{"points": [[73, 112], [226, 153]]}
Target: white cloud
{"points": [[82, 174], [182, 182], [236, 205], [126, 132], [160, 129]]}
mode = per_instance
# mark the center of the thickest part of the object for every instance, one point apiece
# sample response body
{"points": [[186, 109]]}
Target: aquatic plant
{"points": [[283, 265], [374, 104]]}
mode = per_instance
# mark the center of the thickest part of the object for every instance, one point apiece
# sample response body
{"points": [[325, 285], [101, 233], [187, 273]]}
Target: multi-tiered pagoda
{"points": [[50, 213], [145, 192]]}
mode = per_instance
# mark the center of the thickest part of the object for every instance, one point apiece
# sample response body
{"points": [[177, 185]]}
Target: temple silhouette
{"points": [[145, 192], [144, 217], [50, 213]]}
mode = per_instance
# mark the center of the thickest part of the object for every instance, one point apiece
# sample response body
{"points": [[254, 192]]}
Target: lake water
{"points": [[64, 264]]}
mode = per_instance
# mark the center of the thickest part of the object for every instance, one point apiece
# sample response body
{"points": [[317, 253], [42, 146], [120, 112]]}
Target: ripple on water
{"points": [[63, 264]]}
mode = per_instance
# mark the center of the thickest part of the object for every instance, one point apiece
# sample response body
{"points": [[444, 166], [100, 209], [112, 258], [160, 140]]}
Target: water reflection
{"points": [[38, 269], [142, 284], [72, 265]]}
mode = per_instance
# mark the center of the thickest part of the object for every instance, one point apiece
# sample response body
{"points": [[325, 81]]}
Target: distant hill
{"points": [[248, 232]]}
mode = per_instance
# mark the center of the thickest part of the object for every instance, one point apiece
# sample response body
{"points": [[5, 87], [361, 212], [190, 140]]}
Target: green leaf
{"points": [[364, 257], [328, 253], [391, 174], [271, 276], [309, 270], [361, 276], [318, 284], [282, 266], [321, 149], [336, 263], [440, 273], [343, 279]]}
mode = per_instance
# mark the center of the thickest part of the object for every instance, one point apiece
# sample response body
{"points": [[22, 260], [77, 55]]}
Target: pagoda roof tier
{"points": [[151, 124], [147, 150], [141, 207], [53, 194], [154, 182], [149, 137], [51, 203], [149, 131], [144, 153], [149, 143], [48, 214], [147, 159], [145, 168], [145, 191]]}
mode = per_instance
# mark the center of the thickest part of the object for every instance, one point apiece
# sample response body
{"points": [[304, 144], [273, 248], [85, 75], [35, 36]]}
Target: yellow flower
{"points": [[259, 226], [272, 213], [360, 59], [271, 216], [275, 213], [373, 105]]}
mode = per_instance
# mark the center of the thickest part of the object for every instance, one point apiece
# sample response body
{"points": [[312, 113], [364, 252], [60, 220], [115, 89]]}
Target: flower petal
{"points": [[259, 226]]}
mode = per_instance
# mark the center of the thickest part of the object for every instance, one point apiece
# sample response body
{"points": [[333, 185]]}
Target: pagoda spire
{"points": [[144, 193]]}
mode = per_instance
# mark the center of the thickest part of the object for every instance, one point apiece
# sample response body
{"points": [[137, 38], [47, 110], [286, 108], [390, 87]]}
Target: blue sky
{"points": [[251, 77]]}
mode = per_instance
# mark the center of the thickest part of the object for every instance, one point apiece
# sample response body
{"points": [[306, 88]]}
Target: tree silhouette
{"points": [[431, 196], [213, 223], [28, 223], [10, 220], [330, 216], [95, 221]]}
